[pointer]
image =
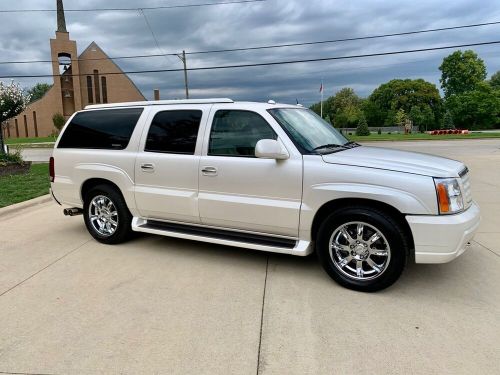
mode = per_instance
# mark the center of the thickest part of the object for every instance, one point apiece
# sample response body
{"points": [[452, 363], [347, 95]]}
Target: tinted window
{"points": [[174, 132], [235, 133], [104, 129]]}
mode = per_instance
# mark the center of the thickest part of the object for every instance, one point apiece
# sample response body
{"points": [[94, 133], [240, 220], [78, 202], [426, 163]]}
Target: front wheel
{"points": [[362, 248], [106, 215]]}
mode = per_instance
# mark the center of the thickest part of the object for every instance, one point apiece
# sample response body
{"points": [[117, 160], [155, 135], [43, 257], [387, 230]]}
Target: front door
{"points": [[240, 191], [167, 164]]}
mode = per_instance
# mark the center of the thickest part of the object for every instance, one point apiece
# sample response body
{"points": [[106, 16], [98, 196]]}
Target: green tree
{"points": [[362, 128], [374, 115], [38, 91], [448, 121], [346, 98], [461, 72], [476, 109], [58, 121], [417, 117], [390, 119], [344, 108], [405, 94], [495, 80], [13, 100], [347, 108], [327, 107], [428, 119], [400, 117]]}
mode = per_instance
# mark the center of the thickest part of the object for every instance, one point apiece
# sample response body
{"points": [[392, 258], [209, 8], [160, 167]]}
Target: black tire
{"points": [[398, 248], [123, 231]]}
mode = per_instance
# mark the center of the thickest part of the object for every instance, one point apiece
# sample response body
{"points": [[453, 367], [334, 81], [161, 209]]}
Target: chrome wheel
{"points": [[359, 250], [103, 215]]}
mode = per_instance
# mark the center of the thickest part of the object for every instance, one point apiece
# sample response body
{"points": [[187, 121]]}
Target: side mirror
{"points": [[270, 149]]}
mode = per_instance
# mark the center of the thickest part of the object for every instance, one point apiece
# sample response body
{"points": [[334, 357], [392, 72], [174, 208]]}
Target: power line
{"points": [[271, 63], [347, 39], [141, 12], [181, 57], [269, 46], [131, 9]]}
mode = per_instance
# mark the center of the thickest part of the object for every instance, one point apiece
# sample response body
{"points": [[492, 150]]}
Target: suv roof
{"points": [[161, 102], [189, 101]]}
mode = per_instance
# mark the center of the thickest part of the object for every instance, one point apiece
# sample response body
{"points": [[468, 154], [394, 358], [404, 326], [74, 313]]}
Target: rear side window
{"points": [[236, 132], [104, 129], [174, 132]]}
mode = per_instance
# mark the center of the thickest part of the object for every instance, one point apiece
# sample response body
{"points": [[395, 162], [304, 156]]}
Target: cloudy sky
{"points": [[24, 36]]}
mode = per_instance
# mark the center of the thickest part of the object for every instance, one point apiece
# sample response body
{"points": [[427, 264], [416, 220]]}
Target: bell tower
{"points": [[65, 67]]}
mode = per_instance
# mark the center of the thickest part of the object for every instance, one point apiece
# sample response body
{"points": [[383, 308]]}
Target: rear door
{"points": [[166, 169]]}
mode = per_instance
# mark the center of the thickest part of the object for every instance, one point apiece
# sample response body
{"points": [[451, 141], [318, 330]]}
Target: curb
{"points": [[18, 207]]}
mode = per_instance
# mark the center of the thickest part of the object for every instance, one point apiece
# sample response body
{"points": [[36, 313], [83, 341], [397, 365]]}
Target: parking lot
{"points": [[157, 305]]}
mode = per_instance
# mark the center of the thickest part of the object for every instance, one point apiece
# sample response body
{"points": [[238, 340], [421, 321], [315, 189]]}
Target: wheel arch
{"points": [[93, 182], [340, 203]]}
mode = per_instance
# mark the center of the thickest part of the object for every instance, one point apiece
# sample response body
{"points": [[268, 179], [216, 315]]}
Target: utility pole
{"points": [[183, 59]]}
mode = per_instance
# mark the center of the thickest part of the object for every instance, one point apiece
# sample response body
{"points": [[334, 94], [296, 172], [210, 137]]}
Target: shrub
{"points": [[379, 131], [58, 121], [362, 128], [11, 157]]}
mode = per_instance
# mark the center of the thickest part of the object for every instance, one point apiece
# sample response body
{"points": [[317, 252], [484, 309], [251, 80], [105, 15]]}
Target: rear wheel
{"points": [[362, 248], [106, 215]]}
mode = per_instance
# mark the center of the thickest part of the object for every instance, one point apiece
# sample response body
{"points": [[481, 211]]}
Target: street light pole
{"points": [[183, 59]]}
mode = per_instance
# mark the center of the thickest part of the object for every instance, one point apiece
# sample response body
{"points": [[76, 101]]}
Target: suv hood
{"points": [[396, 160]]}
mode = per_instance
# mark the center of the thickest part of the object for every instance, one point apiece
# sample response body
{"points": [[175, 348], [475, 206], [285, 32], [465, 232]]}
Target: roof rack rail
{"points": [[161, 102]]}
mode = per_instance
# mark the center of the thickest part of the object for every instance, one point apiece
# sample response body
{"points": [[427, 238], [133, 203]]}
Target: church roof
{"points": [[93, 45]]}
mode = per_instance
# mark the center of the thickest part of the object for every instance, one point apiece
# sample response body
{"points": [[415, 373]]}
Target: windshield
{"points": [[308, 131]]}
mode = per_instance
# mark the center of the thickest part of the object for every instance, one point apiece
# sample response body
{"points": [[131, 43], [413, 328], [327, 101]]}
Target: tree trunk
{"points": [[2, 147]]}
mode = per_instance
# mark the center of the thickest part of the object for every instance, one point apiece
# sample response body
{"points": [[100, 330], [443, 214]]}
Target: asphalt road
{"points": [[69, 305]]}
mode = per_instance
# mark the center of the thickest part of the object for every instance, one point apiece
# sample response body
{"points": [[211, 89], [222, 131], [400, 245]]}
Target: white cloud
{"points": [[25, 36]]}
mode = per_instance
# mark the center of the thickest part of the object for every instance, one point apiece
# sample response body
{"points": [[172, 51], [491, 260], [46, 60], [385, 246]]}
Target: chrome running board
{"points": [[274, 244]]}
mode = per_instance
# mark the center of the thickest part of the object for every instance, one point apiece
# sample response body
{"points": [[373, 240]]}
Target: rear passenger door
{"points": [[166, 169]]}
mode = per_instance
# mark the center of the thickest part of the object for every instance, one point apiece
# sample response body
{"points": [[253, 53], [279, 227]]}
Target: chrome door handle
{"points": [[209, 171], [148, 167]]}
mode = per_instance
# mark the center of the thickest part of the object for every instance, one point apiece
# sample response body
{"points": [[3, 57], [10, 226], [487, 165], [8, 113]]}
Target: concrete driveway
{"points": [[69, 305]]}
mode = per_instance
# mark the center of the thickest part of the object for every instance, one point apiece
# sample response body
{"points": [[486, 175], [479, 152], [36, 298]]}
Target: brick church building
{"points": [[79, 80]]}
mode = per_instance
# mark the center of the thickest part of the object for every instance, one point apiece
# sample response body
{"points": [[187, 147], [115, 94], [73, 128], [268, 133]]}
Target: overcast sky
{"points": [[26, 36]]}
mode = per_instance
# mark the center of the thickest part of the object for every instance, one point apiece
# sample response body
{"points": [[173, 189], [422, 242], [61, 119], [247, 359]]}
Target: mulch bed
{"points": [[14, 168]]}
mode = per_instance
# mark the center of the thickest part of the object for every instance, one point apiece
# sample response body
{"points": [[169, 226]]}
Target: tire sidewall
{"points": [[124, 217], [385, 224]]}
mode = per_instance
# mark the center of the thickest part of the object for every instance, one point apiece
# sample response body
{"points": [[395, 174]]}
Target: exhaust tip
{"points": [[72, 211]]}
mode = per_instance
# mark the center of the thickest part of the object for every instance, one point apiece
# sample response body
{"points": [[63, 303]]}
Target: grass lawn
{"points": [[19, 188], [420, 136], [16, 141]]}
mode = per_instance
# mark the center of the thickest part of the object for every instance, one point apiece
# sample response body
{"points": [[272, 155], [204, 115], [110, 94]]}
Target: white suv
{"points": [[262, 176]]}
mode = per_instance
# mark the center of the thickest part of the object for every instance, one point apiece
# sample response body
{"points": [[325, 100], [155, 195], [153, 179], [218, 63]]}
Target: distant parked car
{"points": [[262, 176]]}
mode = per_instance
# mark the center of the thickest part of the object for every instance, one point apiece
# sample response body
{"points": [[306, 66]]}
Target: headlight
{"points": [[449, 195]]}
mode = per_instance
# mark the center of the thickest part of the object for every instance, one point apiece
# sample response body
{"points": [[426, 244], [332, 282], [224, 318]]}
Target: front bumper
{"points": [[440, 239]]}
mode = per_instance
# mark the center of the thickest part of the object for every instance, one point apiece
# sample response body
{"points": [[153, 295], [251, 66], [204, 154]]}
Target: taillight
{"points": [[52, 173]]}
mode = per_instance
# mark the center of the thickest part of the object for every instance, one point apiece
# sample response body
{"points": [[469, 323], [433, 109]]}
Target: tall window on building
{"points": [[90, 93], [104, 87], [96, 87]]}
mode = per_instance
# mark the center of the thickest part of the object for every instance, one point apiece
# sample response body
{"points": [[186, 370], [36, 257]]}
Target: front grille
{"points": [[466, 187]]}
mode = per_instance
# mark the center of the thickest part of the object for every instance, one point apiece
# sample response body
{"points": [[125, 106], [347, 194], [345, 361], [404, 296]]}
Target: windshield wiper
{"points": [[351, 144], [330, 146]]}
